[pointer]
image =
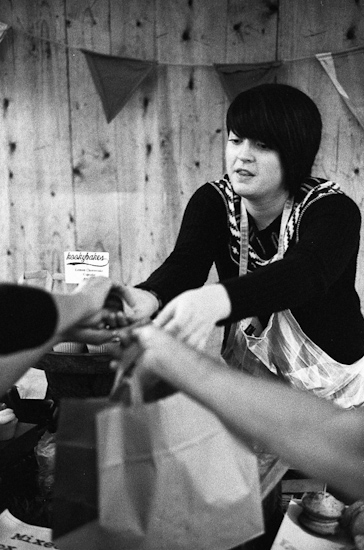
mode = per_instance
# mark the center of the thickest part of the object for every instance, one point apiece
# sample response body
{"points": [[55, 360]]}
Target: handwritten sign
{"points": [[79, 265]]}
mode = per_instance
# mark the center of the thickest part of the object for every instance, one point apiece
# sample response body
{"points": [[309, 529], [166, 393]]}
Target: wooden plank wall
{"points": [[69, 180]]}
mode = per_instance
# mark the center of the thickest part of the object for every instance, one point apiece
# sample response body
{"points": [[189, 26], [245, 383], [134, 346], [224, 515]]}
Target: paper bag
{"points": [[172, 477], [75, 492]]}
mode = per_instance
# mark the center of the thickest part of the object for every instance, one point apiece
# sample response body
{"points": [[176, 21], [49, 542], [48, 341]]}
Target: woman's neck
{"points": [[266, 211]]}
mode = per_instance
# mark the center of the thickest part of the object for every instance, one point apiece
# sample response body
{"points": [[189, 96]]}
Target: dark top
{"points": [[315, 279], [28, 317]]}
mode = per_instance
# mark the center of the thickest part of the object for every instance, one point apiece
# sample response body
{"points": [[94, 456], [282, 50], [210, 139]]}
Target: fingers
{"points": [[172, 320], [115, 319], [128, 335], [125, 293], [186, 328], [164, 316], [132, 346], [145, 334], [128, 295], [139, 305], [177, 322], [197, 340], [94, 336], [157, 351]]}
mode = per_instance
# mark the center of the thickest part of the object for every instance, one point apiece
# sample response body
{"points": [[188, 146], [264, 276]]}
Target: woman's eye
{"points": [[261, 145]]}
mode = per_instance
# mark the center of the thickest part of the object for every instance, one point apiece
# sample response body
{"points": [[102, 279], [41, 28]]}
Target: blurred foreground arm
{"points": [[309, 433], [32, 321]]}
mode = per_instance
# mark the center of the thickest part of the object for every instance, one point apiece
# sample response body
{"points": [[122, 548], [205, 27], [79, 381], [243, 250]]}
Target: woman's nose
{"points": [[245, 151]]}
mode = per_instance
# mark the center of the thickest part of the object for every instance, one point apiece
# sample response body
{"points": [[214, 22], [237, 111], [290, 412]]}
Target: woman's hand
{"points": [[140, 305], [192, 315]]}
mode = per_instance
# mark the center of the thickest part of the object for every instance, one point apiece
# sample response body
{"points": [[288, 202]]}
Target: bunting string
{"points": [[164, 63], [116, 78]]}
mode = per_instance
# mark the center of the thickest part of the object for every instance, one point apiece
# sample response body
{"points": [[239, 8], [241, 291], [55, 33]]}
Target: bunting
{"points": [[116, 79], [346, 71], [239, 77], [3, 30]]}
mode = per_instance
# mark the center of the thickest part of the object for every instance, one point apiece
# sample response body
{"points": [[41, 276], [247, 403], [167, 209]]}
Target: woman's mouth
{"points": [[242, 173]]}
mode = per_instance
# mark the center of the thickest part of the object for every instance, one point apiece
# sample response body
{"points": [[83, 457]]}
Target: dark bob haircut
{"points": [[286, 120]]}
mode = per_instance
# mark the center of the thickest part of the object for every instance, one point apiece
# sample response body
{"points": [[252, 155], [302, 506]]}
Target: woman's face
{"points": [[255, 170]]}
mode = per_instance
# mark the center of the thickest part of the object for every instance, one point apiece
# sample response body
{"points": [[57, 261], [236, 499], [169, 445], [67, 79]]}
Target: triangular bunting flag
{"points": [[3, 28], [236, 78], [116, 79], [346, 70]]}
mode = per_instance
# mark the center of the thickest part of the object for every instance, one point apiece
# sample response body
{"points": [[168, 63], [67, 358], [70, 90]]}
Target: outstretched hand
{"points": [[156, 354], [189, 318], [139, 305], [152, 351], [193, 315], [108, 309]]}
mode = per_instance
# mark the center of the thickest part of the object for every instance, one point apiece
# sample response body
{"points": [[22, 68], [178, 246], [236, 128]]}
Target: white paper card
{"points": [[80, 265], [291, 536], [22, 536]]}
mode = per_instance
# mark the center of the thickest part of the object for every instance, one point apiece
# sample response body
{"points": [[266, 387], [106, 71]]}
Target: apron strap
{"points": [[244, 235]]}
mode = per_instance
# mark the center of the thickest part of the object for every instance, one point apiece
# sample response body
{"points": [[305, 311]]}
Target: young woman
{"points": [[285, 246]]}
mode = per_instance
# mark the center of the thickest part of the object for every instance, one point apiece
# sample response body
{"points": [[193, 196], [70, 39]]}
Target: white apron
{"points": [[284, 350]]}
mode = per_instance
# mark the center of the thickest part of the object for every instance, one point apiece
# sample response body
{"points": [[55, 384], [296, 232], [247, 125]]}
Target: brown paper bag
{"points": [[75, 492], [172, 477]]}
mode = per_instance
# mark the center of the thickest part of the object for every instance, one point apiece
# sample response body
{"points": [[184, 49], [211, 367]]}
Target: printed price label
{"points": [[79, 265]]}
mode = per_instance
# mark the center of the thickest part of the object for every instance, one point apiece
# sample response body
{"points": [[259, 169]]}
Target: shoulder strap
{"points": [[313, 193], [233, 212]]}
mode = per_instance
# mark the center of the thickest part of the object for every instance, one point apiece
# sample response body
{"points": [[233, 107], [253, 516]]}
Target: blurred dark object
{"points": [[75, 494], [61, 385], [77, 374], [18, 477], [19, 480], [32, 411], [159, 390], [12, 450], [75, 363], [45, 454], [114, 300], [19, 491]]}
